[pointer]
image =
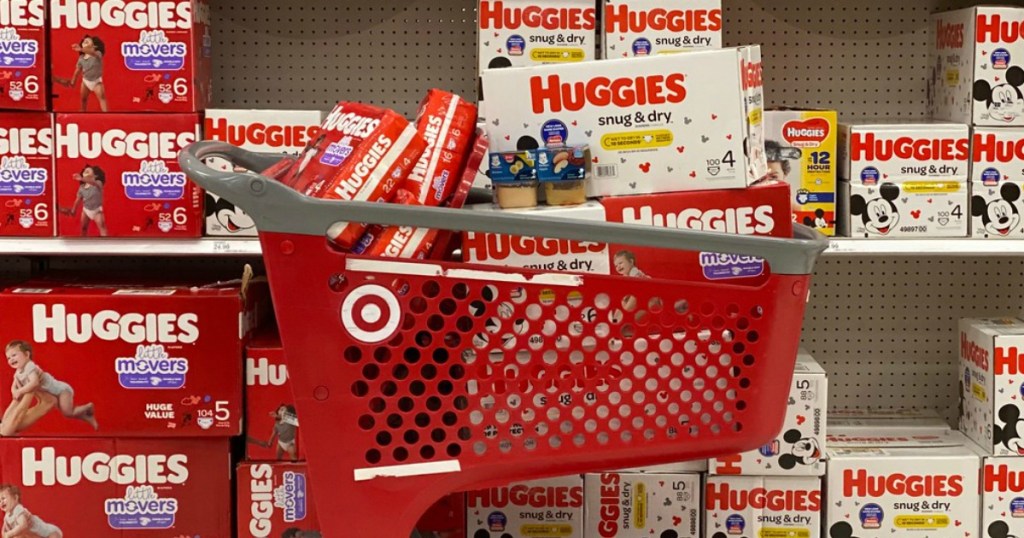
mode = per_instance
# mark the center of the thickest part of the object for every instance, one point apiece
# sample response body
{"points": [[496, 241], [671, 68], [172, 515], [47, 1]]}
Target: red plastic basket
{"points": [[417, 379]]}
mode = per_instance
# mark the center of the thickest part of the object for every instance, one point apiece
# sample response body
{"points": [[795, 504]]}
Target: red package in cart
{"points": [[26, 174], [275, 500], [164, 488], [106, 361], [363, 154], [23, 82], [271, 424], [138, 56], [447, 123], [117, 175]]}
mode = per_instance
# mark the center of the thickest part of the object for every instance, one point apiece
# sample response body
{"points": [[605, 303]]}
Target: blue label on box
{"points": [[554, 133], [142, 508], [513, 166], [871, 516], [734, 524], [718, 266], [870, 176], [335, 154], [151, 368], [515, 45], [555, 164], [990, 176], [15, 52], [1000, 59], [154, 52], [291, 496], [154, 181], [807, 197], [19, 178], [642, 47], [496, 522]]}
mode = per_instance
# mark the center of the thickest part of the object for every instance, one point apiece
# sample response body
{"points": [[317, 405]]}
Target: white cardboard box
{"points": [[899, 487], [872, 153], [668, 123], [976, 64], [910, 421], [265, 131], [799, 448], [1002, 496], [763, 506], [908, 209], [639, 505], [515, 33], [549, 508], [997, 175], [991, 377], [650, 27]]}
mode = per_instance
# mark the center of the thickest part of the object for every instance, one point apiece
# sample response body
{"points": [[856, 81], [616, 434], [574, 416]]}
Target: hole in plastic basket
{"points": [[360, 388], [426, 452], [465, 433], [489, 293], [741, 405], [575, 328], [477, 308], [682, 306], [382, 354], [461, 403], [748, 360], [690, 346], [383, 438], [588, 315], [476, 417], [574, 298], [744, 383], [626, 436], [411, 355], [408, 322], [460, 291], [534, 312], [418, 305], [628, 331], [546, 297], [464, 324], [505, 310], [457, 371], [642, 317], [377, 405], [602, 438], [615, 316], [452, 340], [709, 395], [742, 324], [396, 341], [752, 336], [655, 305], [602, 301], [431, 288], [479, 447], [561, 312], [508, 341], [433, 403], [373, 456], [400, 372], [518, 295], [454, 450], [629, 303], [555, 441], [371, 371], [445, 388], [440, 355], [756, 312], [436, 323], [353, 354], [337, 282], [366, 422], [428, 372], [640, 345], [417, 388], [401, 454], [731, 394], [405, 404], [566, 427], [422, 420], [395, 420], [686, 396], [614, 344], [562, 343]]}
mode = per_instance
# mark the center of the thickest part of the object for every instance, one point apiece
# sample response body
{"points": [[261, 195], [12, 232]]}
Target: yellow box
{"points": [[801, 146]]}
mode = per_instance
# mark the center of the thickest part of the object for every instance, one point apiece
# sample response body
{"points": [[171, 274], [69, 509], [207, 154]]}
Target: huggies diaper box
{"points": [[997, 175], [271, 425], [801, 149], [514, 33], [262, 131], [275, 499], [677, 122], [799, 448], [627, 505], [23, 77], [881, 488], [1002, 497], [904, 210], [649, 27], [549, 508], [977, 72], [117, 175], [165, 488], [130, 55], [763, 506], [26, 175], [759, 210], [872, 153], [108, 361], [992, 383]]}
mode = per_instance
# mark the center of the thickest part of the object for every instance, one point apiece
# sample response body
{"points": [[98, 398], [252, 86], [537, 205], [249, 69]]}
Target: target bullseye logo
{"points": [[371, 313]]}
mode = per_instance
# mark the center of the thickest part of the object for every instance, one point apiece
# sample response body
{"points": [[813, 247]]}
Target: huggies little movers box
{"points": [[275, 499], [24, 82], [26, 175]]}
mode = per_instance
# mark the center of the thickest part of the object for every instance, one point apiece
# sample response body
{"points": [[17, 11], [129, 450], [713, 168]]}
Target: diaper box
{"points": [[651, 27], [799, 448], [263, 131], [990, 383], [24, 82], [515, 33], [117, 175], [677, 122], [908, 209], [889, 487], [763, 506], [1002, 496], [271, 423], [801, 149], [275, 499], [139, 56], [26, 174], [549, 508], [977, 73], [623, 505], [901, 421], [93, 360], [166, 488], [872, 153], [997, 175]]}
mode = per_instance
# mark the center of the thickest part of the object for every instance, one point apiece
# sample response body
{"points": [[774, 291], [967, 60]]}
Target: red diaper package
{"points": [[275, 500], [448, 123], [26, 174], [271, 424], [137, 56], [90, 360], [363, 154], [157, 488], [117, 175], [23, 82]]}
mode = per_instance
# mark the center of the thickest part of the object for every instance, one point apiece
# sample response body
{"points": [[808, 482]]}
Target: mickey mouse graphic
{"points": [[1007, 434], [841, 530], [818, 221], [1000, 217], [231, 219], [999, 529], [879, 215], [1005, 102], [805, 450]]}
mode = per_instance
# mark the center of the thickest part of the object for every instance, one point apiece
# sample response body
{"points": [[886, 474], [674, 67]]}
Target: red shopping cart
{"points": [[415, 379]]}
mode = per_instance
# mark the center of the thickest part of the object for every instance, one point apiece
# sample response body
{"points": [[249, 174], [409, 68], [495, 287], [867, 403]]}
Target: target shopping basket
{"points": [[415, 379]]}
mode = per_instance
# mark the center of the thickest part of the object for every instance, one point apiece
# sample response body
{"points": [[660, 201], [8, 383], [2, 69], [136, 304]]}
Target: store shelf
{"points": [[925, 247], [130, 247]]}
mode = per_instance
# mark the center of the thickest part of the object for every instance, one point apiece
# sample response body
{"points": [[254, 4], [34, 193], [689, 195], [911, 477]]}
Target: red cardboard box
{"points": [[272, 427], [124, 362], [759, 210], [274, 499], [138, 56], [26, 174], [23, 82], [119, 487], [126, 164]]}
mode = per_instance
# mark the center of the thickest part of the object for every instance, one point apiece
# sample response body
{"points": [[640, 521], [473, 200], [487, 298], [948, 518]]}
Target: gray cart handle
{"points": [[275, 207]]}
